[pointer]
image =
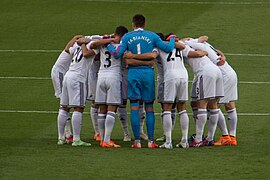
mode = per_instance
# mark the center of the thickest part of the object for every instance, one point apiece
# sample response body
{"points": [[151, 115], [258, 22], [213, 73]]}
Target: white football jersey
{"points": [[213, 55], [173, 65], [63, 61], [196, 64], [109, 65], [79, 64]]}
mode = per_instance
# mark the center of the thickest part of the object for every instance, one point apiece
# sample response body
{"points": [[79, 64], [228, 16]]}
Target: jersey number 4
{"points": [[177, 54]]}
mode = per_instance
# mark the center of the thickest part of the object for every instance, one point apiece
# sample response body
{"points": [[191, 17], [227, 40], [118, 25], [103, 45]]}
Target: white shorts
{"points": [[74, 93], [160, 88], [57, 80], [108, 91], [230, 88], [124, 87], [176, 90], [208, 83], [91, 86]]}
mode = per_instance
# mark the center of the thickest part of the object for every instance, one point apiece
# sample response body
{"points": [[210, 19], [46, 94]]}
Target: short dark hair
{"points": [[166, 36], [161, 35], [139, 20], [121, 30]]}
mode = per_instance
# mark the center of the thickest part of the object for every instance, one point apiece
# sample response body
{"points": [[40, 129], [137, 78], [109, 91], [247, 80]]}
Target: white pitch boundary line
{"points": [[58, 51], [56, 112], [48, 78], [185, 2]]}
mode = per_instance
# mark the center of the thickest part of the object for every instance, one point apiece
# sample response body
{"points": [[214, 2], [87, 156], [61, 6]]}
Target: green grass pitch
{"points": [[28, 148]]}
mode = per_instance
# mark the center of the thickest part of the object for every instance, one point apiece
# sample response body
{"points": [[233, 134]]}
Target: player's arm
{"points": [[145, 56], [202, 39], [166, 47], [179, 45], [221, 54], [87, 52], [71, 42], [120, 50], [101, 42], [136, 62], [197, 54]]}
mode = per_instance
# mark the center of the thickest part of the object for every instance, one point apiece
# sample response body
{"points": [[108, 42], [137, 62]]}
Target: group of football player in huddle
{"points": [[108, 70]]}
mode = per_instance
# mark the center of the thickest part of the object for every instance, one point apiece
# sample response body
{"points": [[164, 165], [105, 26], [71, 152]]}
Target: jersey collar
{"points": [[138, 29]]}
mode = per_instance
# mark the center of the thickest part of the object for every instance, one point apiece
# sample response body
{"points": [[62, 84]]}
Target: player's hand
{"points": [[172, 36], [83, 40], [78, 37], [221, 62], [151, 63], [128, 55]]}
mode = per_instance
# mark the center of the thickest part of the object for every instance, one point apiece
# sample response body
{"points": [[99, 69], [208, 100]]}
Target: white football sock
{"points": [[184, 123], [212, 124], [222, 123], [122, 113], [101, 125], [109, 123], [232, 121], [61, 122], [167, 126], [68, 131], [200, 123], [76, 125], [94, 116]]}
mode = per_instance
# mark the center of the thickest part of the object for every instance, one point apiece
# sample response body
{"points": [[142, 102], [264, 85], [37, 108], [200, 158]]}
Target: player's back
{"points": [[173, 65], [63, 61], [196, 64], [140, 41], [79, 64], [109, 66]]}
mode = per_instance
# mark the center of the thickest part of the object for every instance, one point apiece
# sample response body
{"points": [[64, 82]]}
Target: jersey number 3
{"points": [[108, 59]]}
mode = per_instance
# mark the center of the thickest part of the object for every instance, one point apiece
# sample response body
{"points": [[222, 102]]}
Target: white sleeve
{"points": [[72, 49], [156, 50], [96, 51], [186, 51]]}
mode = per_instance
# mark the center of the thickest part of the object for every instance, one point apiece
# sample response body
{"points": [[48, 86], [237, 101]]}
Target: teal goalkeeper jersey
{"points": [[141, 41]]}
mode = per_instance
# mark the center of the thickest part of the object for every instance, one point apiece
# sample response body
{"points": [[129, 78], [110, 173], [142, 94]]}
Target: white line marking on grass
{"points": [[157, 114], [253, 55], [185, 2], [30, 50], [36, 78], [48, 78], [54, 51]]}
